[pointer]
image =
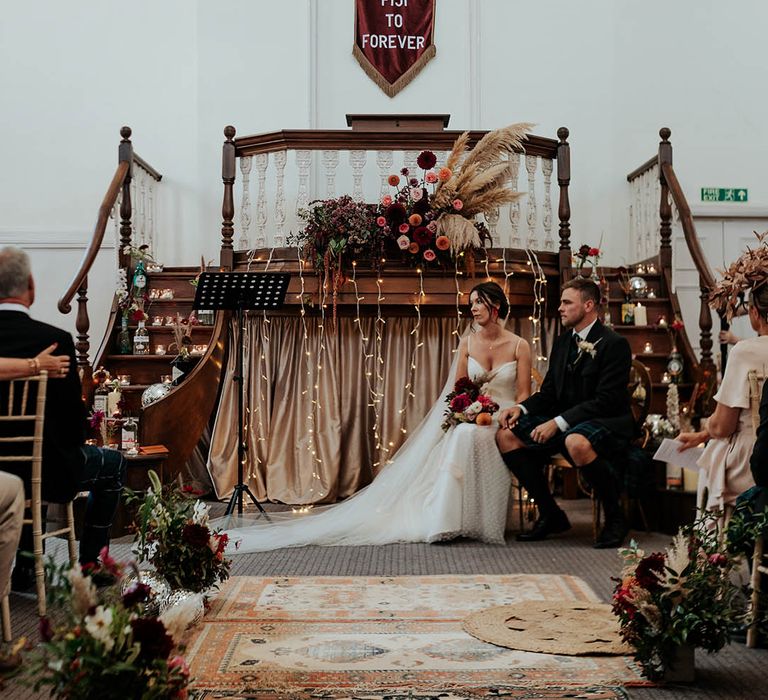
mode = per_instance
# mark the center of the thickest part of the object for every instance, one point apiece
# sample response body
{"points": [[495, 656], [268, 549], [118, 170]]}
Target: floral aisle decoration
{"points": [[683, 596], [174, 535], [100, 643], [467, 404]]}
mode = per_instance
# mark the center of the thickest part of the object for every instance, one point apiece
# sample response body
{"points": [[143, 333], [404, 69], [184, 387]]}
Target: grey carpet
{"points": [[735, 672]]}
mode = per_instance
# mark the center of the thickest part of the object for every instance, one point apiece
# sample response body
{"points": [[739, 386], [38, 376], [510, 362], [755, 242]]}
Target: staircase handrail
{"points": [[644, 168]]}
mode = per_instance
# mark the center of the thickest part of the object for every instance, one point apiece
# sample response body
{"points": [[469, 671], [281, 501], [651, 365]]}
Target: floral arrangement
{"points": [[467, 404], [750, 271], [173, 534], [586, 256], [681, 596], [182, 334], [99, 643]]}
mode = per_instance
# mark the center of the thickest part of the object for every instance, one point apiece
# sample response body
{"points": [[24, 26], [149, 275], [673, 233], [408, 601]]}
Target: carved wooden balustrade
{"points": [[282, 172]]}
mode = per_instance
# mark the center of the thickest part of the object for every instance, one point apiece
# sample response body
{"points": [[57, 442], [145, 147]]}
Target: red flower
{"points": [[154, 641], [717, 559], [393, 180], [594, 251], [647, 570], [138, 315], [465, 385], [426, 160], [422, 235], [677, 324], [196, 535], [429, 255], [460, 402], [396, 213]]}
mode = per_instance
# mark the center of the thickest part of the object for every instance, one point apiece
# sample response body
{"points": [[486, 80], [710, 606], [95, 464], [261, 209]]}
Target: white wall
{"points": [[177, 72]]}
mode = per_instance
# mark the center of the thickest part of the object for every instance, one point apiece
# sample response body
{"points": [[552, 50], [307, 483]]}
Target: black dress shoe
{"points": [[546, 525], [612, 535]]}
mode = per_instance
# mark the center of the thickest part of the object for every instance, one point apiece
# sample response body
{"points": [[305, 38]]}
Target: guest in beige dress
{"points": [[724, 463]]}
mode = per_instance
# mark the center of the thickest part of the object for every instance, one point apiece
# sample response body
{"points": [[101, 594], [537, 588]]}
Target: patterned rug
{"points": [[374, 638]]}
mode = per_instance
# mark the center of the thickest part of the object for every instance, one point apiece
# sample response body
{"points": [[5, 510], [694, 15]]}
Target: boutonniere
{"points": [[586, 347]]}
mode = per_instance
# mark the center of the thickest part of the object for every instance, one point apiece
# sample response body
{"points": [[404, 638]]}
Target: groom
{"points": [[582, 410]]}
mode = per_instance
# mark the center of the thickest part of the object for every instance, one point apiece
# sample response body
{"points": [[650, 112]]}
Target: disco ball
{"points": [[638, 286], [193, 601], [159, 590], [154, 392]]}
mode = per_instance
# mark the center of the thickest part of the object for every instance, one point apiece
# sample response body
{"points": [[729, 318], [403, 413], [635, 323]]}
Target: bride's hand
{"points": [[509, 416]]}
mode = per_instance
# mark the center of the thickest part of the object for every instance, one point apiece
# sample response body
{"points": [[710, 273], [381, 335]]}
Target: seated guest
{"points": [[69, 465], [729, 433], [582, 410], [11, 517]]}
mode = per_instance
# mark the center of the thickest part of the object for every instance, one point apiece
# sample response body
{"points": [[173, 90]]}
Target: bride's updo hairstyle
{"points": [[758, 297], [492, 295]]}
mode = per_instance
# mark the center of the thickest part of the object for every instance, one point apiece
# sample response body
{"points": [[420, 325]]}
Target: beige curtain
{"points": [[310, 419]]}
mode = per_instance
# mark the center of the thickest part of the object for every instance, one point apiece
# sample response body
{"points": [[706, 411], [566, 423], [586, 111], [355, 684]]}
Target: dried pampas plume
{"points": [[750, 271], [480, 180], [461, 232]]}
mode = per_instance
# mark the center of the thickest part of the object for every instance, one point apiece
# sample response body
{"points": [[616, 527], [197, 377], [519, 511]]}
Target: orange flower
{"points": [[394, 180], [444, 174], [442, 243], [483, 419], [413, 248], [414, 219]]}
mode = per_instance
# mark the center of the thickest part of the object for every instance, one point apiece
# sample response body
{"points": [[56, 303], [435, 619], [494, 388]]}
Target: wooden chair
{"points": [[759, 564], [23, 410]]}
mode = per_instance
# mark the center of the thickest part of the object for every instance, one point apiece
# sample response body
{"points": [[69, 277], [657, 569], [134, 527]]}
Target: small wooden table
{"points": [[137, 479]]}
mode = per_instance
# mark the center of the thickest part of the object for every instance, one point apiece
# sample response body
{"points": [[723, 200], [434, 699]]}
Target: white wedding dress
{"points": [[438, 486]]}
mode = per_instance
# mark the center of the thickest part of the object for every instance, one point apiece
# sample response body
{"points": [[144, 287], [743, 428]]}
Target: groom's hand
{"points": [[544, 432], [509, 416]]}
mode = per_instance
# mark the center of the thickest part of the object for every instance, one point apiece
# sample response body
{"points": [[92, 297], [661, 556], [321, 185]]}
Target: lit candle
{"points": [[640, 269], [662, 321], [124, 379], [159, 349], [641, 315], [651, 269], [651, 294], [665, 378], [648, 348]]}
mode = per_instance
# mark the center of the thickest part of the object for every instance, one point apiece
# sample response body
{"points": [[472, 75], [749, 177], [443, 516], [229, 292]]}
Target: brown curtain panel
{"points": [[310, 418]]}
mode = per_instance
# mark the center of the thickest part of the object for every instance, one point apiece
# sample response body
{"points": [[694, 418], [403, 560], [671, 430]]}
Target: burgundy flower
{"points": [[422, 235], [413, 182], [465, 385], [45, 628], [196, 535], [404, 172], [426, 160], [584, 251], [647, 570], [460, 402], [138, 593], [396, 213], [154, 641]]}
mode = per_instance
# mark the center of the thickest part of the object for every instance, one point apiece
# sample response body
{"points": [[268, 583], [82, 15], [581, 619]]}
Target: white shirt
{"points": [[13, 306]]}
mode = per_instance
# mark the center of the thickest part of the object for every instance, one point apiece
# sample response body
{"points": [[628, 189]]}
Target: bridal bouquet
{"points": [[466, 404]]}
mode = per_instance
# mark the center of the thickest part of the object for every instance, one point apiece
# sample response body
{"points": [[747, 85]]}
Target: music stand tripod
{"points": [[238, 292]]}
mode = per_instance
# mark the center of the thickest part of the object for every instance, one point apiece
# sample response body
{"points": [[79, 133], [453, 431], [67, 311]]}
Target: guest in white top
{"points": [[724, 463]]}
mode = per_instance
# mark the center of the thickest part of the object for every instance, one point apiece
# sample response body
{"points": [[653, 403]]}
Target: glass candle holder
{"points": [[166, 378], [159, 349], [651, 269], [651, 294], [153, 293], [166, 294], [169, 320], [662, 322], [666, 378], [124, 379], [640, 269], [648, 348], [157, 320]]}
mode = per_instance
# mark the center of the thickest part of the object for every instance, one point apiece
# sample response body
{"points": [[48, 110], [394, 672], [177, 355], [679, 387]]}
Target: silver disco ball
{"points": [[154, 392], [638, 286], [159, 590], [181, 597]]}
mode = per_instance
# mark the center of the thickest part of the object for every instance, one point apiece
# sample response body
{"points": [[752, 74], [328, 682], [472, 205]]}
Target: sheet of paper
{"points": [[669, 452]]}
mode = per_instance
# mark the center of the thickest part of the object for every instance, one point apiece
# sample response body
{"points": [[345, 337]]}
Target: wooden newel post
{"points": [[82, 344], [564, 205], [665, 206], [705, 327], [125, 154], [228, 158]]}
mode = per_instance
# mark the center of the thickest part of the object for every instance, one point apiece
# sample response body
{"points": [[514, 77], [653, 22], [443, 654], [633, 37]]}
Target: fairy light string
{"points": [[417, 343]]}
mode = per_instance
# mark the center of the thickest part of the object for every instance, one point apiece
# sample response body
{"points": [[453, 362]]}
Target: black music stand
{"points": [[239, 291]]}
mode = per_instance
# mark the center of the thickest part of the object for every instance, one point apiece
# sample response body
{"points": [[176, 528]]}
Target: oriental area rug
{"points": [[376, 638]]}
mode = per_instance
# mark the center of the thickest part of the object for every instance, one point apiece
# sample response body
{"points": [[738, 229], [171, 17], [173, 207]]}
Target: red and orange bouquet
{"points": [[467, 404]]}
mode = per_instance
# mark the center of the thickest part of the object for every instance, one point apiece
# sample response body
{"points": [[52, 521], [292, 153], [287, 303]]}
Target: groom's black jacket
{"points": [[591, 389]]}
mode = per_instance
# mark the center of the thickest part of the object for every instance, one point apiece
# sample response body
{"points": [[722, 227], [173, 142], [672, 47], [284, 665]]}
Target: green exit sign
{"points": [[724, 194]]}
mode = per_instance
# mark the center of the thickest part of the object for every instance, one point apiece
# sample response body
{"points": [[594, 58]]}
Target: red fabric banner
{"points": [[394, 40]]}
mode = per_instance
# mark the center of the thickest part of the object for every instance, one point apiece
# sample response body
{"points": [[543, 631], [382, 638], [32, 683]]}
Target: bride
{"points": [[438, 485]]}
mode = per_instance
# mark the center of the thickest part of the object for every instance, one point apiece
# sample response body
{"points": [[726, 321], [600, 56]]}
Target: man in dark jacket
{"points": [[582, 410], [69, 465]]}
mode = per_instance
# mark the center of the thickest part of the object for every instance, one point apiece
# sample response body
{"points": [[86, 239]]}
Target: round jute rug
{"points": [[551, 627]]}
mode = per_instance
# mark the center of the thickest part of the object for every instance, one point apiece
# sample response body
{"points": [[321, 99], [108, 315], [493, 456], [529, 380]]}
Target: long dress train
{"points": [[439, 485]]}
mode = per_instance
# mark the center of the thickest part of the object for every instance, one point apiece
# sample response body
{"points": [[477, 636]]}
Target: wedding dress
{"points": [[438, 485]]}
